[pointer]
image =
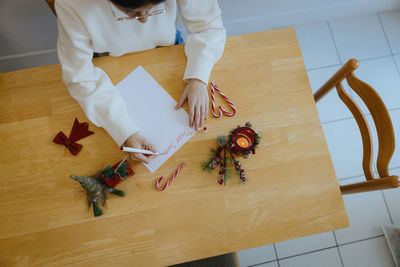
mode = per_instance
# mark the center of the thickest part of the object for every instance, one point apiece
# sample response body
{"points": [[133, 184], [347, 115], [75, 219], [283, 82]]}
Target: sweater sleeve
{"points": [[206, 40], [88, 85]]}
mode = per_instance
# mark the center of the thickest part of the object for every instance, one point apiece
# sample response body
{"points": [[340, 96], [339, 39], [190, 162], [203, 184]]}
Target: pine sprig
{"points": [[117, 192], [96, 209], [206, 165], [224, 172], [215, 158], [122, 169], [108, 172], [238, 168]]}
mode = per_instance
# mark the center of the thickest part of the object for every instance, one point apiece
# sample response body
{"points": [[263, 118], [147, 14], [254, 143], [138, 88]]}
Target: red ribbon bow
{"points": [[78, 132]]}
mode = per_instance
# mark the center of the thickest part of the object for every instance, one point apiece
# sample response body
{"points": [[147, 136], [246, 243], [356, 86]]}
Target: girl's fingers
{"points": [[151, 147], [151, 158], [140, 157], [191, 115], [133, 156], [142, 143], [181, 100], [198, 116], [203, 113]]}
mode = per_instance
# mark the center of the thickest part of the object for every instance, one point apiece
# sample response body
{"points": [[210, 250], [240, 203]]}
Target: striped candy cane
{"points": [[159, 188], [213, 103], [221, 110]]}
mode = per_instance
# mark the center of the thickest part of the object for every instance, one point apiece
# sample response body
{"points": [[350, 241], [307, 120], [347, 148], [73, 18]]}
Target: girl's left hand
{"points": [[197, 96]]}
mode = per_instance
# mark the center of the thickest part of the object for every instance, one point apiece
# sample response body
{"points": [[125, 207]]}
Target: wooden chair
{"points": [[51, 5], [382, 122]]}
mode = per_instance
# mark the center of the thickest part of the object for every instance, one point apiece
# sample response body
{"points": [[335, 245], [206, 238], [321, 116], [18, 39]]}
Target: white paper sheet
{"points": [[152, 109]]}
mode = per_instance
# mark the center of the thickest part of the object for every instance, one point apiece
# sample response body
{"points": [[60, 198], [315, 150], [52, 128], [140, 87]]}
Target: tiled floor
{"points": [[375, 41]]}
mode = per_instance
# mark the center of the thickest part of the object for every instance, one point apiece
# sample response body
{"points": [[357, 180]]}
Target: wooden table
{"points": [[291, 192]]}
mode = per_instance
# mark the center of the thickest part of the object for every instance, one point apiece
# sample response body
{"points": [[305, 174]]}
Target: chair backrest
{"points": [[51, 5], [380, 115]]}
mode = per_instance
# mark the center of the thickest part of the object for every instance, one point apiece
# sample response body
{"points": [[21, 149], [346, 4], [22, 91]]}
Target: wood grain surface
{"points": [[292, 190]]}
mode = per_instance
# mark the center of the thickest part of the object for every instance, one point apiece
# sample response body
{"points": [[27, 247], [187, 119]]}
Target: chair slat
{"points": [[364, 129], [383, 123]]}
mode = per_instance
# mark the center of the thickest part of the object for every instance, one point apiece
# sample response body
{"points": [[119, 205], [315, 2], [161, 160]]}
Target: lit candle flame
{"points": [[243, 142]]}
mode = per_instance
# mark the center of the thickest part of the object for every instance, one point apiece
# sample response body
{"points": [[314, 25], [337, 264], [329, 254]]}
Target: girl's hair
{"points": [[136, 3]]}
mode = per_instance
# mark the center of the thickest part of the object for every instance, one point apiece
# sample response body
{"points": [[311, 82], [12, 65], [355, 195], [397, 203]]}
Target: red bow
{"points": [[78, 132]]}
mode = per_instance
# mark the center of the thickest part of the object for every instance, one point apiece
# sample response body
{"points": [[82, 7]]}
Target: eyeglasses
{"points": [[146, 14]]}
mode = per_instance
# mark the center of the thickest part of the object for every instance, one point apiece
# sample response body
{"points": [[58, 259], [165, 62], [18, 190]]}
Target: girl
{"points": [[117, 27]]}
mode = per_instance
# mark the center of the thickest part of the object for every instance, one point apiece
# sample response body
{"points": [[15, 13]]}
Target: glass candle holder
{"points": [[243, 141]]}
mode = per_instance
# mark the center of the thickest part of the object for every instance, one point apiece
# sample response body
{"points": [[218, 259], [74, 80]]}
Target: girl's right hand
{"points": [[138, 141]]}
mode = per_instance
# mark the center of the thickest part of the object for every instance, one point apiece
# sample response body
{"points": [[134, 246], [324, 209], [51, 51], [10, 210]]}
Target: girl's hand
{"points": [[197, 96], [137, 141]]}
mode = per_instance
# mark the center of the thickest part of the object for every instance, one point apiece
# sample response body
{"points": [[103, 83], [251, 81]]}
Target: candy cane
{"points": [[213, 103], [170, 179], [221, 110], [227, 100]]}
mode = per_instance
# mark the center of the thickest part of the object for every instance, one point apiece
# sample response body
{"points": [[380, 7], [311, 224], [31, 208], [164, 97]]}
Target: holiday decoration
{"points": [[162, 188], [238, 168], [78, 132], [222, 170], [112, 177], [99, 185], [220, 109], [241, 141]]}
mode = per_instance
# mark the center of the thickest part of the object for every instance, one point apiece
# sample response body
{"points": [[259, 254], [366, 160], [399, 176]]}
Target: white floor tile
{"points": [[304, 244], [327, 258], [269, 264], [392, 197], [345, 146], [368, 253], [366, 212], [317, 45], [359, 37], [330, 107], [391, 25], [383, 76], [256, 255]]}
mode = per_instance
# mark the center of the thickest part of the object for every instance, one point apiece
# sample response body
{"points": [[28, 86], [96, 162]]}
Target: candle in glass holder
{"points": [[243, 141]]}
